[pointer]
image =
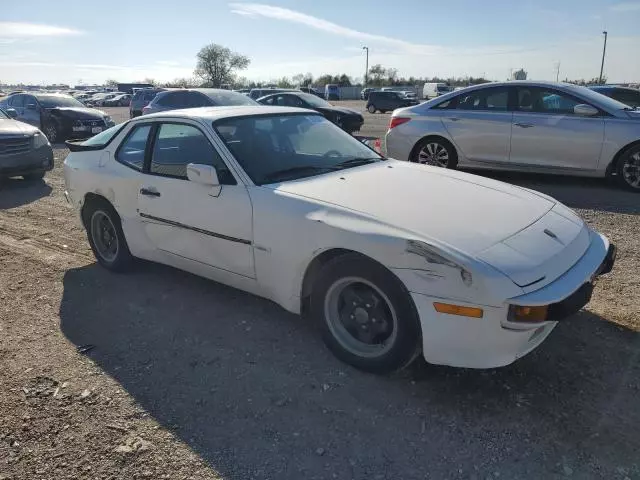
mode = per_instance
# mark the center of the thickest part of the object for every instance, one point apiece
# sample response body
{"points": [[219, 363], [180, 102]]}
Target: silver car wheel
{"points": [[631, 170], [104, 235], [360, 317], [434, 153]]}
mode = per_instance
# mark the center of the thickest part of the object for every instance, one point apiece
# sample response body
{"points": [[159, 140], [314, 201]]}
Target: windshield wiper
{"points": [[354, 162], [286, 173]]}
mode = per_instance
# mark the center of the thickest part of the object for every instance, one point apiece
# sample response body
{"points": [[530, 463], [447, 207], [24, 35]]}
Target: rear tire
{"points": [[367, 317], [435, 151], [105, 235], [628, 169]]}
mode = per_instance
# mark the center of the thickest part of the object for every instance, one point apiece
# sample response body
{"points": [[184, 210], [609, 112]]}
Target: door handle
{"points": [[454, 119], [149, 192], [523, 125]]}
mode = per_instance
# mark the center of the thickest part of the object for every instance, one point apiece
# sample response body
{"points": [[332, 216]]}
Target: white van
{"points": [[433, 90]]}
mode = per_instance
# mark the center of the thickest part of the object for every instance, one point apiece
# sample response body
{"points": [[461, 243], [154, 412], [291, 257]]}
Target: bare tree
{"points": [[111, 83], [183, 83], [217, 65]]}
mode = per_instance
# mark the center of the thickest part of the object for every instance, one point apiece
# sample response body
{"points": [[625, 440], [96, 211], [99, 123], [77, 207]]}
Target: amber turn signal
{"points": [[458, 310], [518, 313]]}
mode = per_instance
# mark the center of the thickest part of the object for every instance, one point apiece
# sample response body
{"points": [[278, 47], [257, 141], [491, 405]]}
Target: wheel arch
{"points": [[314, 268], [91, 199], [612, 167], [434, 136]]}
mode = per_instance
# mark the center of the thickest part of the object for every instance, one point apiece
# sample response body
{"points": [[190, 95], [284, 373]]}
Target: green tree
{"points": [[217, 65], [344, 80]]}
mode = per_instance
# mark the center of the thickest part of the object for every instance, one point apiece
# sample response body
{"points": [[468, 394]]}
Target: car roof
{"points": [[216, 113]]}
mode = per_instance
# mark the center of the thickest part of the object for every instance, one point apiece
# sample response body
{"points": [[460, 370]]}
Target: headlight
{"points": [[39, 140], [107, 119], [431, 256]]}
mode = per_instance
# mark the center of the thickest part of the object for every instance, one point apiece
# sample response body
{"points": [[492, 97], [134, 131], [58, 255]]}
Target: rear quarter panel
{"points": [[401, 139], [618, 133]]}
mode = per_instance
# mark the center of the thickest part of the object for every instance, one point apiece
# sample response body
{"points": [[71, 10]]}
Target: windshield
{"points": [[443, 88], [276, 148], [598, 98], [52, 101], [313, 100], [226, 97]]}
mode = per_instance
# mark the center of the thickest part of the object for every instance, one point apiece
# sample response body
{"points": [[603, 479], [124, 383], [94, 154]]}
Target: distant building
{"points": [[128, 87], [519, 75]]}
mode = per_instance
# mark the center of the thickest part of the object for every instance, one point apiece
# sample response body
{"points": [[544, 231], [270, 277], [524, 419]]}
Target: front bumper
{"points": [[493, 340], [34, 161]]}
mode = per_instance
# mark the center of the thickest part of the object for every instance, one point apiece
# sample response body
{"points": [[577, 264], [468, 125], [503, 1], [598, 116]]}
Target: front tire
{"points": [[436, 152], [628, 169], [371, 109], [367, 318], [107, 240], [52, 132]]}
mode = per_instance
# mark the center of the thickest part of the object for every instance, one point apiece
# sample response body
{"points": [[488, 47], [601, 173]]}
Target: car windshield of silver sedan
{"points": [[276, 148]]}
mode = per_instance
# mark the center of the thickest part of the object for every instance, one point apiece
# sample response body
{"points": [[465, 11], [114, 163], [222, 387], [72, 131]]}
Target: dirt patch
{"points": [[160, 374]]}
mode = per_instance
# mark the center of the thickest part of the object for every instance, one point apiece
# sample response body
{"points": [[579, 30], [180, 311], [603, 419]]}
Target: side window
{"points": [[195, 99], [541, 100], [131, 151], [628, 98], [16, 101], [269, 101], [171, 100], [30, 100], [177, 145], [486, 99]]}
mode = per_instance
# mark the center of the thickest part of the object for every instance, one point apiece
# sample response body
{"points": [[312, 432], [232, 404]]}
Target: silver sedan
{"points": [[539, 127]]}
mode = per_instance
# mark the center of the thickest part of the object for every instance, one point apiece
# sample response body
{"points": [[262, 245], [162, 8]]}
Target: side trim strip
{"points": [[195, 229]]}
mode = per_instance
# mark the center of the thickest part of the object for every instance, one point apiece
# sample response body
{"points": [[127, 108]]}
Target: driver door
{"points": [[191, 220]]}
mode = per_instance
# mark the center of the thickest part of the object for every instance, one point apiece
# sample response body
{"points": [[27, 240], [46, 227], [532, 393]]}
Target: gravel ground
{"points": [[161, 374]]}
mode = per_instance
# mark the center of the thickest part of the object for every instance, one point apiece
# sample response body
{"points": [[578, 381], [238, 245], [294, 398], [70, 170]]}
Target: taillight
{"points": [[395, 121]]}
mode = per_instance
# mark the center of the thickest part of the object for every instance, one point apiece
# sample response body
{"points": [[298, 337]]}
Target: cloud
{"points": [[18, 29], [625, 7], [382, 44], [279, 13]]}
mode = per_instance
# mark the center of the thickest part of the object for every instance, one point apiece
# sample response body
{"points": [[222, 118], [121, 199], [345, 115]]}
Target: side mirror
{"points": [[585, 110], [204, 175], [32, 106], [12, 112]]}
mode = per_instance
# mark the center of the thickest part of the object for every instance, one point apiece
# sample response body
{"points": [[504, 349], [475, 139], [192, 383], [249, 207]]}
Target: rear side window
{"points": [[16, 101], [131, 151], [172, 99], [487, 99], [103, 138]]}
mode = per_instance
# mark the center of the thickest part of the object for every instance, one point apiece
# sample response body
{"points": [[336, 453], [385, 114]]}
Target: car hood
{"points": [[496, 223], [14, 127], [342, 110], [79, 112]]}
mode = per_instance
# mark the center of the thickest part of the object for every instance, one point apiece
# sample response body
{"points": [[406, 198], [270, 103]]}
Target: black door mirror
{"points": [[12, 112]]}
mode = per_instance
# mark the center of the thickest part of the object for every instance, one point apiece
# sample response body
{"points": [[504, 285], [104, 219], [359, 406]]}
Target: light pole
{"points": [[366, 68], [604, 50]]}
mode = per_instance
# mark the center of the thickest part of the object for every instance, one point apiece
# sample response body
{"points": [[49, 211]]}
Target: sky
{"points": [[43, 42]]}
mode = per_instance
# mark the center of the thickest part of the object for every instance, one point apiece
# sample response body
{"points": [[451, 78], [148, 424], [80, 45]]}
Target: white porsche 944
{"points": [[392, 259]]}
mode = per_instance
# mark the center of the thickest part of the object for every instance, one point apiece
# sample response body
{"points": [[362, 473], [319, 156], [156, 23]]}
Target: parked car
{"points": [[348, 120], [331, 92], [364, 94], [433, 90], [118, 101], [244, 91], [24, 150], [628, 96], [195, 97], [380, 101], [101, 102], [141, 98], [59, 116], [312, 91], [257, 93], [520, 125], [281, 203]]}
